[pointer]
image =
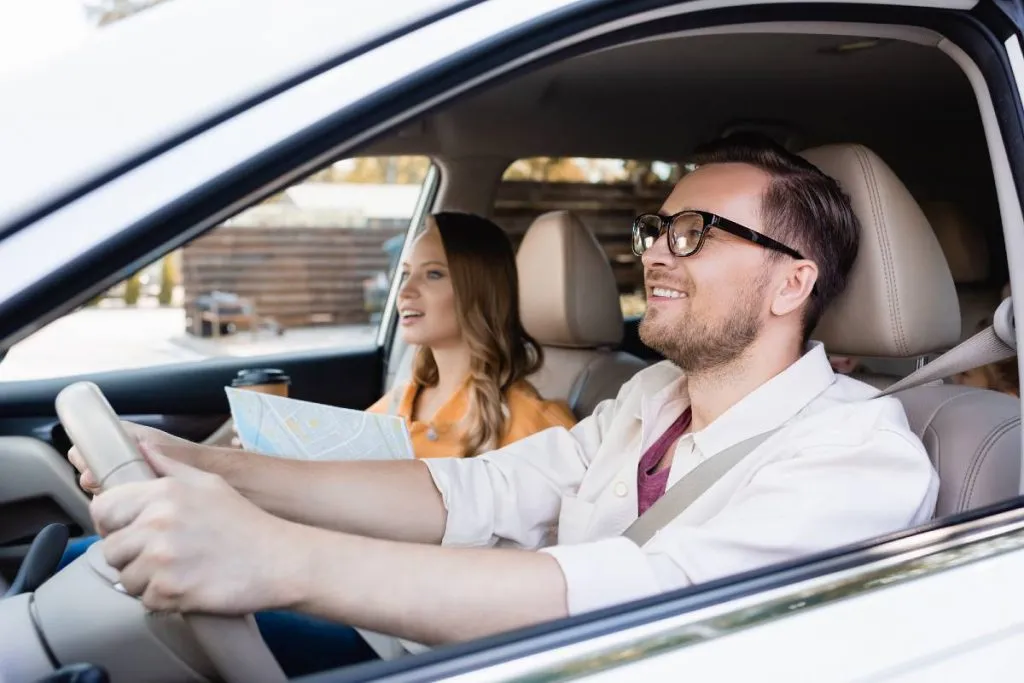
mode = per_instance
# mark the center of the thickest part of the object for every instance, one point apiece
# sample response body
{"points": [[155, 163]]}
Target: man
{"points": [[739, 264]]}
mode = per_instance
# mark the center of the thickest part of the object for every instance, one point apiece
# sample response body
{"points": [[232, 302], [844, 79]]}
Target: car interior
{"points": [[885, 110]]}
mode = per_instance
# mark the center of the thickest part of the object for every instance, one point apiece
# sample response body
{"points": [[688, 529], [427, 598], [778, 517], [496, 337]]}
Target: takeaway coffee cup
{"points": [[263, 380]]}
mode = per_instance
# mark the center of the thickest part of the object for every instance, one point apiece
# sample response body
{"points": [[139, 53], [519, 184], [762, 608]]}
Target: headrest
{"points": [[567, 291], [900, 300], [965, 247]]}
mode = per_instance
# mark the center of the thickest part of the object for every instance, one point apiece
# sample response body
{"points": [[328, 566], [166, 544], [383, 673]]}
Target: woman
{"points": [[459, 303]]}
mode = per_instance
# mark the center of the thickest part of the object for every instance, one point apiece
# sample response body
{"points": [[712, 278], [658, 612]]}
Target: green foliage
{"points": [[168, 280], [132, 290]]}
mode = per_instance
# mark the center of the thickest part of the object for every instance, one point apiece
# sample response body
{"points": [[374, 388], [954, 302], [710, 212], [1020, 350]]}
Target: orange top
{"points": [[441, 437]]}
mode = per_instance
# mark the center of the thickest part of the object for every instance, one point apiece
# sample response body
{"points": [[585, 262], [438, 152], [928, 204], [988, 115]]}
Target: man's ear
{"points": [[795, 287]]}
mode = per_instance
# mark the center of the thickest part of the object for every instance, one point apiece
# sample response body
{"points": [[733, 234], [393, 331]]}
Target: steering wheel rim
{"points": [[233, 644]]}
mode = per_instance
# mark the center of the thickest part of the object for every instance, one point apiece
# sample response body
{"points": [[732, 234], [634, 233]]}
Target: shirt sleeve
{"points": [[817, 499], [515, 493]]}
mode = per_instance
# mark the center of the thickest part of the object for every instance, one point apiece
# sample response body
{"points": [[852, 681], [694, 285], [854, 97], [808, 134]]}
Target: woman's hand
{"points": [[172, 446]]}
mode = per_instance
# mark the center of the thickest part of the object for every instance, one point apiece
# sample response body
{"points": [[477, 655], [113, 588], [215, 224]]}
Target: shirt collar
{"points": [[772, 404], [769, 406]]}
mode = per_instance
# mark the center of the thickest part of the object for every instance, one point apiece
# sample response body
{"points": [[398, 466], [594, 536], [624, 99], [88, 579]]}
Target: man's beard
{"points": [[698, 346]]}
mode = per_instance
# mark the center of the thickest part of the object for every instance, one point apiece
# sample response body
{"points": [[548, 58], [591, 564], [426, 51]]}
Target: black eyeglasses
{"points": [[687, 230]]}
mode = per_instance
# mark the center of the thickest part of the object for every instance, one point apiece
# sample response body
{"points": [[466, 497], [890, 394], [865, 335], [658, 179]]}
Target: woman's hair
{"points": [[1001, 375], [482, 266]]}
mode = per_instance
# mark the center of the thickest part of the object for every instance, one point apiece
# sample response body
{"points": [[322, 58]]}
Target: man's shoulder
{"points": [[849, 412]]}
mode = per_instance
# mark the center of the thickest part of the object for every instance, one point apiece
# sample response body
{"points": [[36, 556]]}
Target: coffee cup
{"points": [[263, 380]]}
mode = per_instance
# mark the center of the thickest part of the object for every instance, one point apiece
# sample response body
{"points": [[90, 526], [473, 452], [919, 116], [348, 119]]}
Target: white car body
{"points": [[945, 604]]}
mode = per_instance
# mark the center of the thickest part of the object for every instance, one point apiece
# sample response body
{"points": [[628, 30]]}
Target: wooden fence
{"points": [[297, 276], [607, 209], [308, 274]]}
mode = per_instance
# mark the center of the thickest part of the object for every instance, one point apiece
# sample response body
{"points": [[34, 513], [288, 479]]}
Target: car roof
{"points": [[136, 85]]}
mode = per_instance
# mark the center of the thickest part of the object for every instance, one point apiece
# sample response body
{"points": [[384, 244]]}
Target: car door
{"points": [[307, 293], [142, 223], [188, 136]]}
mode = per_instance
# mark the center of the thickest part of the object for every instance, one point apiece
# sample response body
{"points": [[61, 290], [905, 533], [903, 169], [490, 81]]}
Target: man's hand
{"points": [[189, 542], [154, 439]]}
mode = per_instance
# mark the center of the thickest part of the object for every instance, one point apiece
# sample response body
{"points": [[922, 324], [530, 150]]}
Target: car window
{"points": [[308, 268], [606, 194]]}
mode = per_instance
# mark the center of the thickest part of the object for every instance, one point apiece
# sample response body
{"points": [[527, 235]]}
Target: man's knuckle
{"points": [[162, 552]]}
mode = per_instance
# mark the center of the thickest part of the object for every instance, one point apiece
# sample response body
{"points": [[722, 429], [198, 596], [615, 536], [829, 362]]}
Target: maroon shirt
{"points": [[650, 485]]}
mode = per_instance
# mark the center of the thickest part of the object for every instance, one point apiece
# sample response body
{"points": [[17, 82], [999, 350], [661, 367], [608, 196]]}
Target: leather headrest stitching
{"points": [[900, 300]]}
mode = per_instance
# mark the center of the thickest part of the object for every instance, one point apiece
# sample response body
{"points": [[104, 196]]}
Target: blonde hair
{"points": [[482, 267], [999, 376]]}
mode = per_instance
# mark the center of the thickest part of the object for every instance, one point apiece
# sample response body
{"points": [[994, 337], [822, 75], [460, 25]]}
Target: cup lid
{"points": [[254, 376]]}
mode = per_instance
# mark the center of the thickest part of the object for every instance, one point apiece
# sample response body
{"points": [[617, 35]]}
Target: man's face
{"points": [[705, 310]]}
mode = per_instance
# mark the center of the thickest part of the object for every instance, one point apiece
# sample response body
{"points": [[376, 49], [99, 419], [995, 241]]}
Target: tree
{"points": [[548, 169], [132, 290], [398, 170], [169, 278]]}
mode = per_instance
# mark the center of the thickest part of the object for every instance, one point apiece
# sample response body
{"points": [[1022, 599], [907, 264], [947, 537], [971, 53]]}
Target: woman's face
{"points": [[426, 299]]}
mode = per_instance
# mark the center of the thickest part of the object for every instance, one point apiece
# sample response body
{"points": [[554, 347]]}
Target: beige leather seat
{"points": [[967, 254], [570, 305], [901, 302]]}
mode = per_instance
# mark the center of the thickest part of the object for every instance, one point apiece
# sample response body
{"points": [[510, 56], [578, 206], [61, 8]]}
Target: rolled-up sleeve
{"points": [[819, 498], [515, 493]]}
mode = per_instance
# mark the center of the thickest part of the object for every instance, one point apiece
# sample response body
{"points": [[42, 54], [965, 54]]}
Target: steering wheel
{"points": [[86, 596]]}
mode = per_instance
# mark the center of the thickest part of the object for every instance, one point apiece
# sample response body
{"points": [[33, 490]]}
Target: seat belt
{"points": [[991, 345], [988, 346], [688, 489]]}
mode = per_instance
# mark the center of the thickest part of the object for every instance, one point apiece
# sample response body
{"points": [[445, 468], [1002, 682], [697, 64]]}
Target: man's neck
{"points": [[717, 390]]}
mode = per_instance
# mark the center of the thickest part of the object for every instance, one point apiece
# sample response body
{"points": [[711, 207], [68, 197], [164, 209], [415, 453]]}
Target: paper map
{"points": [[300, 430]]}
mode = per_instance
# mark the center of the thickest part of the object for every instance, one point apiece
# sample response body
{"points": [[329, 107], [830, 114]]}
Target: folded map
{"points": [[301, 430]]}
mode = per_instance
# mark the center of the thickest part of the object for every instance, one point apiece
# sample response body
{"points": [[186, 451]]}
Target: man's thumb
{"points": [[164, 466]]}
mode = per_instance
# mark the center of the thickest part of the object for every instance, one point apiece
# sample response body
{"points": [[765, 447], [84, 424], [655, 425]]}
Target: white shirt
{"points": [[841, 469]]}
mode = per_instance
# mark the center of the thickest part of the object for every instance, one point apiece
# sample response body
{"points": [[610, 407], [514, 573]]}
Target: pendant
{"points": [[431, 434]]}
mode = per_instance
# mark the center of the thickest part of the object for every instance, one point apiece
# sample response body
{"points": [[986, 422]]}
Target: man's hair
{"points": [[802, 207]]}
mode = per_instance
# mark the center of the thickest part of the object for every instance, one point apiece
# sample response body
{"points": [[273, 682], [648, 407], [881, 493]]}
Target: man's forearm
{"points": [[427, 594], [393, 500]]}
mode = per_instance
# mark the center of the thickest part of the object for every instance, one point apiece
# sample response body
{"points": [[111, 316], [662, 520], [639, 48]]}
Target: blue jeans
{"points": [[302, 645]]}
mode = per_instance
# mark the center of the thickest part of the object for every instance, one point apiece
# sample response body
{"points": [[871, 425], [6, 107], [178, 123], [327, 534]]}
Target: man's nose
{"points": [[658, 255]]}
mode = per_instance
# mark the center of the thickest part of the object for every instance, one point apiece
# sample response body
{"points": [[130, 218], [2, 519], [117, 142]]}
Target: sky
{"points": [[33, 30]]}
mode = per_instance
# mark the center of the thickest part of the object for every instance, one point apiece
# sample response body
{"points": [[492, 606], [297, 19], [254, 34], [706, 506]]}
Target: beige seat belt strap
{"points": [[689, 488]]}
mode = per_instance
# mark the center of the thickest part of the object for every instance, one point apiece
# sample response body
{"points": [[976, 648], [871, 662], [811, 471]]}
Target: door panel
{"points": [[39, 487], [183, 395]]}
